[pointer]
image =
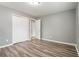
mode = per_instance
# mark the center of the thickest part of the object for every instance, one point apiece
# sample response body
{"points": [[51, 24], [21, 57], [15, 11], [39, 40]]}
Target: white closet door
{"points": [[20, 28]]}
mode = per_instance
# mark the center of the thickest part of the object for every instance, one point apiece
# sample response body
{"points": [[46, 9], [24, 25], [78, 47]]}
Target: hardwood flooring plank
{"points": [[38, 48]]}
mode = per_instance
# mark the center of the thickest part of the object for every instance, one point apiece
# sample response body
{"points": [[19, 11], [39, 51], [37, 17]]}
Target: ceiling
{"points": [[45, 8]]}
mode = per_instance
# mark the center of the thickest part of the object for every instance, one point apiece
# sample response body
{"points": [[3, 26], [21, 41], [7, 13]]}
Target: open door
{"points": [[35, 29]]}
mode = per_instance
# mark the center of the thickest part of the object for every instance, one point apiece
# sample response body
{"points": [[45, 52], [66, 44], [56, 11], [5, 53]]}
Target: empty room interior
{"points": [[39, 29]]}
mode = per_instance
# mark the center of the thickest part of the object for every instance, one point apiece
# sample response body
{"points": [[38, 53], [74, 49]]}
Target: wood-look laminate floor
{"points": [[36, 48]]}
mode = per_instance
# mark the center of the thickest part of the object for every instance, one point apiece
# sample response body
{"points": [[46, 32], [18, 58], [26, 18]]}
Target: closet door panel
{"points": [[20, 28]]}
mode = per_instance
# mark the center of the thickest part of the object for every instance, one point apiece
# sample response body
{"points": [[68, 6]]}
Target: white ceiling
{"points": [[45, 8]]}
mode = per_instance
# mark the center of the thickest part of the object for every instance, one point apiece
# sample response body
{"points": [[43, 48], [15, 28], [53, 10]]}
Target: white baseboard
{"points": [[59, 42], [20, 41], [6, 45], [11, 44]]}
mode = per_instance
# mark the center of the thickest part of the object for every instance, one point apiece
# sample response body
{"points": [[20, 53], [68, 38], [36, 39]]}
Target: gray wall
{"points": [[60, 26], [77, 11], [5, 26]]}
